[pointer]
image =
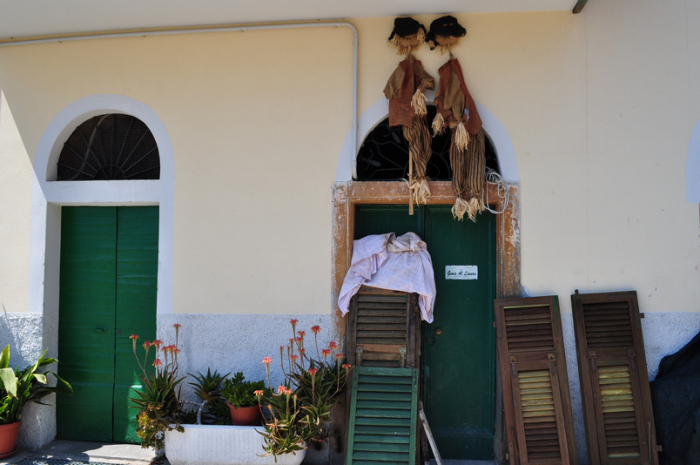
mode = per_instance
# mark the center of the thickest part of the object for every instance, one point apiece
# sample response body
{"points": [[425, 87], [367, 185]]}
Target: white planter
{"points": [[222, 445]]}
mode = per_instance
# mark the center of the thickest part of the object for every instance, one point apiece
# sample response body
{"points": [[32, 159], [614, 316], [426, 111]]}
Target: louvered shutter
{"points": [[539, 422], [382, 330], [383, 416], [614, 380]]}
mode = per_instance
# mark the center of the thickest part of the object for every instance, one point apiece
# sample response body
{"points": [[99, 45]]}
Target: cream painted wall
{"points": [[257, 120], [599, 106], [15, 213]]}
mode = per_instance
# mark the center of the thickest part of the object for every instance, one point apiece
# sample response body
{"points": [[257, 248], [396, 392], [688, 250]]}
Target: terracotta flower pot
{"points": [[245, 416], [8, 439]]}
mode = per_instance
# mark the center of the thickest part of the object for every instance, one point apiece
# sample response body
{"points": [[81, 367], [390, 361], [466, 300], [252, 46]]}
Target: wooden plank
{"points": [[376, 431]]}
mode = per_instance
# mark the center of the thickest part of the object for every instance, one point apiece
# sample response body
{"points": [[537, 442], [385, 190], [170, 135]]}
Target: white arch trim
{"points": [[48, 195], [692, 168], [380, 110]]}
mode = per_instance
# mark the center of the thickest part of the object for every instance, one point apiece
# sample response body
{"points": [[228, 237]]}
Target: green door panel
{"points": [[382, 219], [137, 285], [86, 316], [107, 292], [459, 363], [458, 378]]}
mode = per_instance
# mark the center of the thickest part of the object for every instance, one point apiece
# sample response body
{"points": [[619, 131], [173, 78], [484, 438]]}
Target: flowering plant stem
{"points": [[158, 402], [300, 408]]}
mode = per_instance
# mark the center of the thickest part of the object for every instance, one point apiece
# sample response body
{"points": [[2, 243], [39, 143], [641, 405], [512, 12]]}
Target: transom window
{"points": [[109, 147], [383, 155]]}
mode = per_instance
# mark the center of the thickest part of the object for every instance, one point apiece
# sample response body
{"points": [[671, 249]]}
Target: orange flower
{"points": [[147, 345], [281, 389], [157, 363], [267, 360], [301, 334], [313, 371], [295, 357], [134, 337], [338, 356], [157, 343], [258, 393], [316, 329], [332, 345], [326, 352], [347, 366]]}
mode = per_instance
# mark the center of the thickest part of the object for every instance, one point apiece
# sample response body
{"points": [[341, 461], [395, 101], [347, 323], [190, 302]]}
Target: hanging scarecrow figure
{"points": [[457, 111], [407, 104]]}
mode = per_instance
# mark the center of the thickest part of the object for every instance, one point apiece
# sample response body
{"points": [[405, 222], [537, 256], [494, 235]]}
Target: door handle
{"points": [[438, 331], [100, 330]]}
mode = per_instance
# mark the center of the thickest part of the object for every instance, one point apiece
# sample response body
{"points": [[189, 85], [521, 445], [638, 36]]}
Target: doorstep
{"points": [[60, 452], [464, 462]]}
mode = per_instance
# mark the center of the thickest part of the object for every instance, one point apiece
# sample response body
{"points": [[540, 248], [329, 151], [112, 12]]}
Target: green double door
{"points": [[108, 285], [458, 348]]}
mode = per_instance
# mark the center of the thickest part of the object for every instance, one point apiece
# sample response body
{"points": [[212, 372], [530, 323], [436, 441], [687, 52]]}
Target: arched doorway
{"points": [[362, 205], [104, 195]]}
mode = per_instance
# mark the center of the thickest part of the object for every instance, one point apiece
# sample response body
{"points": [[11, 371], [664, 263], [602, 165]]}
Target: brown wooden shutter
{"points": [[614, 380], [539, 422], [383, 329]]}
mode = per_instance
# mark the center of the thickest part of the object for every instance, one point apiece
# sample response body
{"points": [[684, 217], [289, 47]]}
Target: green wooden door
{"points": [[458, 376], [109, 266]]}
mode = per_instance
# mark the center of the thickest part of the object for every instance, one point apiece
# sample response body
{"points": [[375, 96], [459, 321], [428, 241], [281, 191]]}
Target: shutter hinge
{"points": [[552, 363], [592, 357], [513, 369], [632, 354]]}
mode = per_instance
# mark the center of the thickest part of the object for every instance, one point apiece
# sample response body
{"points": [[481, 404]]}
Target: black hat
{"points": [[447, 26], [404, 27]]}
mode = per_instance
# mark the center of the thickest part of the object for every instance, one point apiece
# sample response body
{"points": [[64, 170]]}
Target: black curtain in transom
{"points": [[109, 147], [383, 155]]}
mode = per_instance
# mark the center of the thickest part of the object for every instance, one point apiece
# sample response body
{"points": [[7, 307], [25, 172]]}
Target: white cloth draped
{"points": [[388, 262]]}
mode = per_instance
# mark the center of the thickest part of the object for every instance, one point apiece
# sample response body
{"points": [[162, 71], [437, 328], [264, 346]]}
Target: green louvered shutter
{"points": [[614, 380], [383, 416]]}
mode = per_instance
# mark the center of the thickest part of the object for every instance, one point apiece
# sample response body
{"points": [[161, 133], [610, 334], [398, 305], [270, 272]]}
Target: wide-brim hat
{"points": [[446, 26], [404, 27]]}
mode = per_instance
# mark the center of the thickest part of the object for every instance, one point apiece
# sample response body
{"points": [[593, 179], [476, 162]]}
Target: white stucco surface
{"points": [[23, 332], [232, 343]]}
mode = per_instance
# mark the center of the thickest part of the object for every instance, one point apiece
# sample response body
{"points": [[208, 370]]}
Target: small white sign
{"points": [[464, 272]]}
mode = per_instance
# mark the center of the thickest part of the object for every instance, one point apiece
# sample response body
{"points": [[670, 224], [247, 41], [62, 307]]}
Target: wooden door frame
{"points": [[347, 195]]}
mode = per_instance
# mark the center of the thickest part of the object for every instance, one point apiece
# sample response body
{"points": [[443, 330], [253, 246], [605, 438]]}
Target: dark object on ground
{"points": [[675, 394]]}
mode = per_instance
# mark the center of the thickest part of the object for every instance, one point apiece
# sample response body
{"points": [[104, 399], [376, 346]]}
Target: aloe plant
{"points": [[17, 387]]}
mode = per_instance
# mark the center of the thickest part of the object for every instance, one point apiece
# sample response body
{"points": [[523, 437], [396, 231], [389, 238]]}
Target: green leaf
{"points": [[5, 357], [8, 379]]}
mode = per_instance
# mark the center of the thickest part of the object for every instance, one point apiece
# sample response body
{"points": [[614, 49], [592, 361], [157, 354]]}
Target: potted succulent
{"points": [[241, 398], [212, 410], [17, 388], [295, 415]]}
